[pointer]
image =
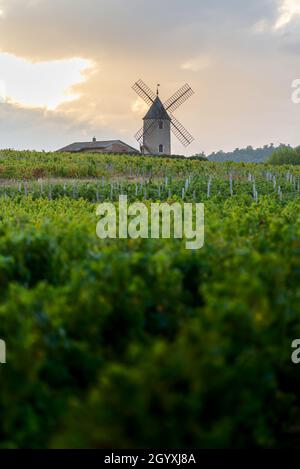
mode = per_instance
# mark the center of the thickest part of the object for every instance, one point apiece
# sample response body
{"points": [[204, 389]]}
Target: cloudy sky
{"points": [[67, 67]]}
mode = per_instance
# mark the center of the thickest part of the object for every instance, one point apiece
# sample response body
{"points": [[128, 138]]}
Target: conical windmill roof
{"points": [[157, 111]]}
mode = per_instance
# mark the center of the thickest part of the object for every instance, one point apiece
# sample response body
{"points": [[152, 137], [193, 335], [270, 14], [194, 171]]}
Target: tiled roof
{"points": [[94, 145]]}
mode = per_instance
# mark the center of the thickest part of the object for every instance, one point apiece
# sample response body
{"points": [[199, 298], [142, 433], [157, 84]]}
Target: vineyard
{"points": [[142, 343], [98, 177]]}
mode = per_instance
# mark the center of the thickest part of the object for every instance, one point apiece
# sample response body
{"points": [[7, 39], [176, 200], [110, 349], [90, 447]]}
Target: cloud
{"points": [[41, 84], [44, 130], [2, 13], [2, 92], [52, 29], [261, 26], [198, 63], [167, 42], [289, 9], [139, 107]]}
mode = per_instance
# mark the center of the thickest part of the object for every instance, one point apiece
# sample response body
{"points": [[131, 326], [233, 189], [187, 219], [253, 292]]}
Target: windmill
{"points": [[155, 135]]}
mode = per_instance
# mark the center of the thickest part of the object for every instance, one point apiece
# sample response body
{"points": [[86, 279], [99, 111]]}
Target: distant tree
{"points": [[285, 155], [199, 156], [248, 154]]}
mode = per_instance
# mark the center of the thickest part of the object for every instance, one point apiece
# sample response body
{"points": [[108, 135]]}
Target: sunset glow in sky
{"points": [[67, 67], [41, 84]]}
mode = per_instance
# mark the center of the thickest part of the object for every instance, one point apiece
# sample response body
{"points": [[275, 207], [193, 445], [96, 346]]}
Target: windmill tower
{"points": [[155, 135]]}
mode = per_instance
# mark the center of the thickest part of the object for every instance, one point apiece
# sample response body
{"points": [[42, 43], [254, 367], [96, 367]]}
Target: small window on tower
{"points": [[161, 148], [161, 125]]}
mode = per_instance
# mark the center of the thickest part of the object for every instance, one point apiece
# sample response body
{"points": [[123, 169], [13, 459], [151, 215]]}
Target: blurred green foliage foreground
{"points": [[141, 343]]}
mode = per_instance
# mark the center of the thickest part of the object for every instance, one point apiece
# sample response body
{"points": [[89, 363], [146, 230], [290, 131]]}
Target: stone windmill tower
{"points": [[155, 135]]}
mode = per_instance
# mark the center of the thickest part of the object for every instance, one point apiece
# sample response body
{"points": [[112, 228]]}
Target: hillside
{"points": [[246, 155]]}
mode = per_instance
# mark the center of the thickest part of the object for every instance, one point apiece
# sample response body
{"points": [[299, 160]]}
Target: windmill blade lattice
{"points": [[178, 98], [181, 133], [144, 92], [139, 135], [146, 130]]}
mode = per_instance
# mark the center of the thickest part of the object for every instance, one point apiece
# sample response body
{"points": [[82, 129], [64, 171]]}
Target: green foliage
{"points": [[97, 177], [33, 165], [285, 156], [142, 343], [247, 155]]}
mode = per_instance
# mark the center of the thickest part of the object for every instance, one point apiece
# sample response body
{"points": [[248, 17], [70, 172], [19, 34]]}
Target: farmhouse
{"points": [[107, 146]]}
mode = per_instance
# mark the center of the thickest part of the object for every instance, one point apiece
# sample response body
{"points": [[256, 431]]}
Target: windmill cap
{"points": [[157, 111]]}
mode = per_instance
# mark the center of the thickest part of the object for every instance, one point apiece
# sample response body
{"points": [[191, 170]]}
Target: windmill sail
{"points": [[146, 130], [178, 98], [144, 92], [181, 133]]}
